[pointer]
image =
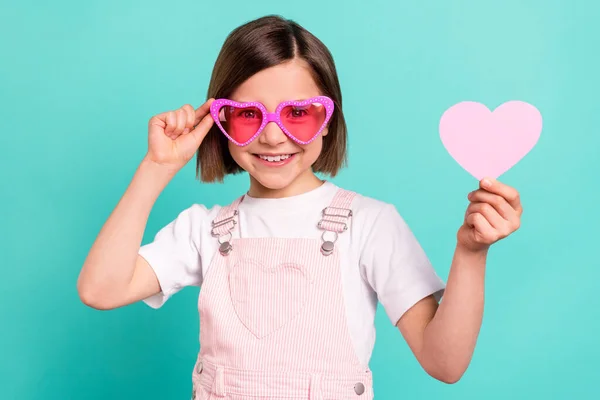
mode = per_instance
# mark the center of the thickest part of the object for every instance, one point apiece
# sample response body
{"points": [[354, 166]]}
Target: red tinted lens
{"points": [[240, 123], [303, 122]]}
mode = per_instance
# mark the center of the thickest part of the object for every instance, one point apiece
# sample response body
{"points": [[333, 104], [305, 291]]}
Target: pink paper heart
{"points": [[489, 143]]}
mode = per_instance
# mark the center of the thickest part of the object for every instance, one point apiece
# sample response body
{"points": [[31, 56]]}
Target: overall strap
{"points": [[224, 224], [336, 218]]}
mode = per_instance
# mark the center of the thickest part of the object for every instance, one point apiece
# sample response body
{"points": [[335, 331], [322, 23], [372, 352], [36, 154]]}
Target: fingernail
{"points": [[486, 183]]}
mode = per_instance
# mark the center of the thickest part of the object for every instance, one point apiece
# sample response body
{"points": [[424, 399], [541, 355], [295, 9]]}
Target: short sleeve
{"points": [[396, 266], [174, 254]]}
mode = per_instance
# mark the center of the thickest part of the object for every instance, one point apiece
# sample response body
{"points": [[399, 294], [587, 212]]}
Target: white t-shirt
{"points": [[380, 257]]}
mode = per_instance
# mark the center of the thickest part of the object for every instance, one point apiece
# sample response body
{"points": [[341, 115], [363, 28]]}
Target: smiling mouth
{"points": [[274, 158]]}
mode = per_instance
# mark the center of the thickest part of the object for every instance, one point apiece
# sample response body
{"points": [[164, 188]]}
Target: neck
{"points": [[302, 184]]}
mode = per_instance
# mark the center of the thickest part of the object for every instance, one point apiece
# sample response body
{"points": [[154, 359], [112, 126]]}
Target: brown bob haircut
{"points": [[259, 44]]}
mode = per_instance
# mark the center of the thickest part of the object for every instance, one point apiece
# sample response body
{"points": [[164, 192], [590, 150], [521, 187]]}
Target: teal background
{"points": [[79, 81]]}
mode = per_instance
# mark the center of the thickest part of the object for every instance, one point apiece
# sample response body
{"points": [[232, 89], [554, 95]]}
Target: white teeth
{"points": [[275, 158]]}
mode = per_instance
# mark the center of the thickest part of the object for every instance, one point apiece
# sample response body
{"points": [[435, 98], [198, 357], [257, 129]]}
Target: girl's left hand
{"points": [[494, 213]]}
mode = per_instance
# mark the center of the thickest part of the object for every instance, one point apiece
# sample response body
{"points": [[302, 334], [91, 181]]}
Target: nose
{"points": [[272, 135]]}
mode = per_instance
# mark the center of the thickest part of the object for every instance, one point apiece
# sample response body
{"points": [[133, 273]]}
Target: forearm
{"points": [[111, 261], [450, 337]]}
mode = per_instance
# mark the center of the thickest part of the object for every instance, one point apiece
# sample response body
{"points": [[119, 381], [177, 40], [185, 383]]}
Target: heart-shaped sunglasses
{"points": [[302, 121]]}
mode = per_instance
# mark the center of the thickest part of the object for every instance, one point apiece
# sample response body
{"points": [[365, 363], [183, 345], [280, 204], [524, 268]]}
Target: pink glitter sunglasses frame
{"points": [[216, 105]]}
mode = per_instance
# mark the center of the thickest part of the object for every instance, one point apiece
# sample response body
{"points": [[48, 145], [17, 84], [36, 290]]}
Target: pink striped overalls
{"points": [[272, 317]]}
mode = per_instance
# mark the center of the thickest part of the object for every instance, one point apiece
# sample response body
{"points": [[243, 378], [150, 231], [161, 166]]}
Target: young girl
{"points": [[290, 272]]}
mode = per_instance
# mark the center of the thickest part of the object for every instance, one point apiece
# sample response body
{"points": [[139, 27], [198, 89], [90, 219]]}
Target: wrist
{"points": [[464, 252], [154, 176], [157, 169]]}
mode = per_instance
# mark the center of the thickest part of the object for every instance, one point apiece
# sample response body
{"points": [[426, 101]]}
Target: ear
{"points": [[325, 131]]}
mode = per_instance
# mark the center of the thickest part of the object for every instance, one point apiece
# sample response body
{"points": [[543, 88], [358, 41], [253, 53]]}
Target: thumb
{"points": [[194, 138]]}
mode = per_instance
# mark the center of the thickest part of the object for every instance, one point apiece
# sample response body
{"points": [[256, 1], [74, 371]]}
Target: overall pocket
{"points": [[266, 297]]}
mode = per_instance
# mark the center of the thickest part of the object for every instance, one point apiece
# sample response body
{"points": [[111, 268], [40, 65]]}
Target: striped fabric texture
{"points": [[273, 320]]}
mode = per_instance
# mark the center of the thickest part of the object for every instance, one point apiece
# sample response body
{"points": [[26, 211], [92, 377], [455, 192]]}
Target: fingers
{"points": [[175, 122], [511, 217], [202, 111], [510, 194], [498, 202], [501, 227], [202, 129], [489, 213], [202, 122], [199, 131], [171, 122], [185, 119], [190, 116], [494, 211], [483, 230]]}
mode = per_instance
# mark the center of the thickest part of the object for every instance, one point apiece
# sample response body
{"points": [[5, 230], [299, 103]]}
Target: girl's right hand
{"points": [[172, 138]]}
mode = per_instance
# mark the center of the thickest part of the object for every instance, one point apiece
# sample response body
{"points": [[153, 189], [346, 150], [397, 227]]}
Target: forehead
{"points": [[288, 81]]}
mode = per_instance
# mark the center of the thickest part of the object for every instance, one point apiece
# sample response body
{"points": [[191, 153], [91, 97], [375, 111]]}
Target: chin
{"points": [[273, 182]]}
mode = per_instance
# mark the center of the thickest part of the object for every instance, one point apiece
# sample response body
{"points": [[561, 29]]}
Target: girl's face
{"points": [[292, 174]]}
